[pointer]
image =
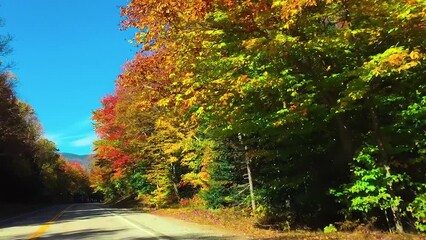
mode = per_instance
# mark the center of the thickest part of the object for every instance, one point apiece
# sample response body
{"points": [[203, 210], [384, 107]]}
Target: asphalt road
{"points": [[93, 221]]}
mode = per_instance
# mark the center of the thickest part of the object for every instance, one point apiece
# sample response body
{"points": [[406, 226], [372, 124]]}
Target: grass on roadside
{"points": [[231, 220]]}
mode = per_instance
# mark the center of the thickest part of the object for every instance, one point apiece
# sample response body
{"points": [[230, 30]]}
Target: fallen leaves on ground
{"points": [[230, 220]]}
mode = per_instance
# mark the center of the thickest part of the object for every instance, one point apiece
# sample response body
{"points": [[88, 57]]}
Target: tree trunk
{"points": [[395, 209], [387, 220], [345, 139], [250, 178], [385, 160], [173, 172]]}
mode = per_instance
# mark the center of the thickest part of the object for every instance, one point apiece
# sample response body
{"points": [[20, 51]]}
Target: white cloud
{"points": [[77, 137], [84, 141], [56, 138]]}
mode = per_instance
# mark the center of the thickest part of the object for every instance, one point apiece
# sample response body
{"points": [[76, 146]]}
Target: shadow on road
{"points": [[44, 215], [87, 233], [8, 210], [88, 211], [95, 234]]}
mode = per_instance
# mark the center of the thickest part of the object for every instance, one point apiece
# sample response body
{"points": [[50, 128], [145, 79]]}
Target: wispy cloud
{"points": [[84, 141], [76, 138], [53, 137], [83, 123]]}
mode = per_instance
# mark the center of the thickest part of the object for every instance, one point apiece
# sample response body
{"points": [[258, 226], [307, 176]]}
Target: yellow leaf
{"points": [[414, 55]]}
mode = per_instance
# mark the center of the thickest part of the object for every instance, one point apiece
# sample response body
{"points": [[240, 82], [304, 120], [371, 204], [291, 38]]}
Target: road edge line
{"points": [[135, 225]]}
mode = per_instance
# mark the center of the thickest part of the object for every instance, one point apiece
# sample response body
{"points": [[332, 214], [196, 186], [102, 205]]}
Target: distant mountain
{"points": [[84, 160]]}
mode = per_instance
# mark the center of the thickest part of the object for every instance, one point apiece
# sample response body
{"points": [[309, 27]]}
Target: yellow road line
{"points": [[45, 226]]}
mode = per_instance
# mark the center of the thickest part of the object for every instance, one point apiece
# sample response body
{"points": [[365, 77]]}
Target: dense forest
{"points": [[301, 112], [31, 169]]}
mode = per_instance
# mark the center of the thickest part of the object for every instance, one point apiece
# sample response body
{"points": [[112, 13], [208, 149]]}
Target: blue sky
{"points": [[66, 55]]}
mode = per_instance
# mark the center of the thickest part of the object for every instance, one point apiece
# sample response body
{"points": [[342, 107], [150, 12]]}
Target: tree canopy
{"points": [[308, 111]]}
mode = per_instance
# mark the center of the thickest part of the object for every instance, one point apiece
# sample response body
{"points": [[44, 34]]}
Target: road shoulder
{"points": [[15, 210]]}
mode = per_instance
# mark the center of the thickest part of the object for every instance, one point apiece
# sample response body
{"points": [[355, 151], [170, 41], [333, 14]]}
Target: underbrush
{"points": [[241, 223]]}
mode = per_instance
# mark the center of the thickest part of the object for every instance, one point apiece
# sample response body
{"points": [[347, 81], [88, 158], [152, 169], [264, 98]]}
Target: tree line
{"points": [[304, 112], [31, 168]]}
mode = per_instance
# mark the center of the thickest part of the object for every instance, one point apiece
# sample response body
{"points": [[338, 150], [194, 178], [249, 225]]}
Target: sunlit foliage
{"points": [[270, 105]]}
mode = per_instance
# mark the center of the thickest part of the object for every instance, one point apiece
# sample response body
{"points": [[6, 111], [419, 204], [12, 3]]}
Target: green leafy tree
{"points": [[372, 187]]}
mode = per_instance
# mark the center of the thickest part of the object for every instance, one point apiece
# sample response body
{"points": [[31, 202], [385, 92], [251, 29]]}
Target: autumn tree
{"points": [[312, 97]]}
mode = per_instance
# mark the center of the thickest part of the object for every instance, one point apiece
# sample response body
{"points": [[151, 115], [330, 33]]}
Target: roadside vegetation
{"points": [[232, 220], [306, 114]]}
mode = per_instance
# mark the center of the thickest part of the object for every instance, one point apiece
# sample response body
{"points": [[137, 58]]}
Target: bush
{"points": [[215, 196], [418, 211], [330, 229]]}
